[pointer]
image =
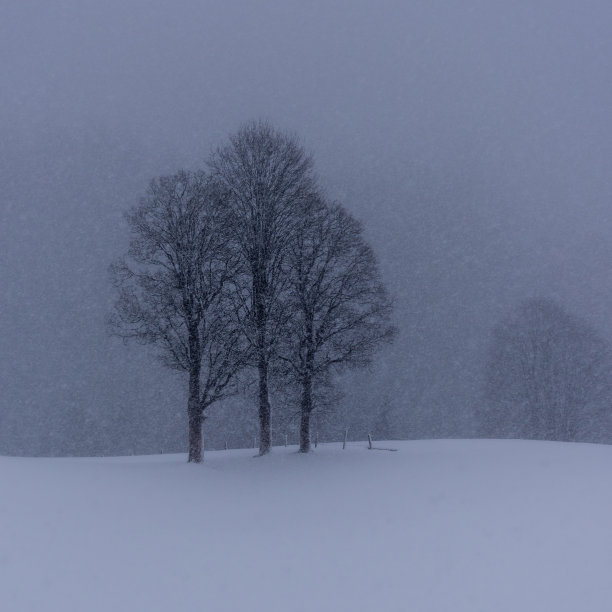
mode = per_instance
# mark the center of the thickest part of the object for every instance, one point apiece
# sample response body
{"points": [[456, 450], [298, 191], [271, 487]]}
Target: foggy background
{"points": [[473, 138]]}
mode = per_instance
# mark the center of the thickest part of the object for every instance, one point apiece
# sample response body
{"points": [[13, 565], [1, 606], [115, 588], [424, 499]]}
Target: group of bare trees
{"points": [[246, 267], [549, 376]]}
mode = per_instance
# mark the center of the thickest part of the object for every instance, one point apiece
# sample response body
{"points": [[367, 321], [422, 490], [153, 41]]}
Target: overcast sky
{"points": [[473, 138]]}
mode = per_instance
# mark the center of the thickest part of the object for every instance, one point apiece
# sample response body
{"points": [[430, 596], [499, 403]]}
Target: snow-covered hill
{"points": [[437, 526]]}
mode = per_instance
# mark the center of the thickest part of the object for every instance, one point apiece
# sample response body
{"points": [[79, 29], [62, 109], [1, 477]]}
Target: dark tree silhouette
{"points": [[547, 377], [341, 310], [265, 176], [172, 290]]}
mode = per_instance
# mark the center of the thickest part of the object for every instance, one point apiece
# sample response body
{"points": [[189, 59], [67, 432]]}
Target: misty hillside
{"points": [[435, 526]]}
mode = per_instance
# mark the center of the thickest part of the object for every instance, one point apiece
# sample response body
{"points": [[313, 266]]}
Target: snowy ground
{"points": [[448, 526]]}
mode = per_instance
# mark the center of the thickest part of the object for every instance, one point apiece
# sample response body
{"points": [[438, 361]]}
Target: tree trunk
{"points": [[195, 438], [264, 408], [306, 410], [194, 414], [259, 292]]}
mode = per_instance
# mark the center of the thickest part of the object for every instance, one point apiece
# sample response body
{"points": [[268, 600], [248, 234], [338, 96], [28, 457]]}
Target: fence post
{"points": [[370, 441]]}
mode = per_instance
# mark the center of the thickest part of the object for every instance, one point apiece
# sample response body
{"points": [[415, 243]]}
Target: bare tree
{"points": [[341, 310], [172, 290], [547, 376], [265, 175]]}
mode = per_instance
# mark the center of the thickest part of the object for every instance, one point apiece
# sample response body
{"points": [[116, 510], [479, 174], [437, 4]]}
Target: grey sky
{"points": [[474, 139]]}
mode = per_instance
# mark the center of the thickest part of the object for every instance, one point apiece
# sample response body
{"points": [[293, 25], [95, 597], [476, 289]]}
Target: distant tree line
{"points": [[548, 377], [245, 266]]}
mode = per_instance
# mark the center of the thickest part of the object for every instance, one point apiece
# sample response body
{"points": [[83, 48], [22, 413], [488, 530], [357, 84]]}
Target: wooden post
{"points": [[370, 441], [345, 437], [285, 440], [226, 445]]}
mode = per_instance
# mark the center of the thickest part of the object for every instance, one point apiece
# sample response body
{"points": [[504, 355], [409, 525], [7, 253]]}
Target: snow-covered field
{"points": [[448, 526]]}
